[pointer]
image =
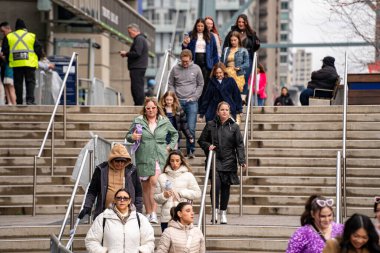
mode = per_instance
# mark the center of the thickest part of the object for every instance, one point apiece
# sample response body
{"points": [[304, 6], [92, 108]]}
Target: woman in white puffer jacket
{"points": [[120, 230], [176, 184]]}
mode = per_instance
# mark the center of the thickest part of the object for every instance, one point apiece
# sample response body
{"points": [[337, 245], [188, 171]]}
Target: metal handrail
{"points": [[51, 127], [202, 214], [344, 143], [167, 81], [245, 136], [338, 188], [166, 59], [71, 202]]}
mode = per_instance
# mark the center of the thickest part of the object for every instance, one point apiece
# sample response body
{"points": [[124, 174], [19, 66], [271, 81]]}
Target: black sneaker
{"points": [[191, 155]]}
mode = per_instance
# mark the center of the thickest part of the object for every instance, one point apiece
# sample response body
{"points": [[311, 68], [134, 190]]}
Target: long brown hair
{"points": [[237, 35], [175, 106], [155, 102], [213, 29], [182, 157], [217, 66], [248, 28], [206, 33]]}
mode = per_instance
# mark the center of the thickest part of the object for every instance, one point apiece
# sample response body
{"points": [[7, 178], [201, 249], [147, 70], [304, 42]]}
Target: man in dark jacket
{"points": [[284, 99], [110, 176], [325, 78], [137, 63]]}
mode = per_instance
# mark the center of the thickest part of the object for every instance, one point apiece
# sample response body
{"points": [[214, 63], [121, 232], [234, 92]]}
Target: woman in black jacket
{"points": [[284, 99], [223, 136]]}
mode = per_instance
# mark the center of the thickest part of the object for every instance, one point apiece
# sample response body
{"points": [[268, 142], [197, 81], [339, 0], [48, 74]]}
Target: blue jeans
{"points": [[304, 96], [191, 110]]}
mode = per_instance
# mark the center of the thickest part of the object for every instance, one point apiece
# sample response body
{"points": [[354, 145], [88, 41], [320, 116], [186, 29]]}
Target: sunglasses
{"points": [[120, 161], [150, 108], [324, 203], [122, 198], [377, 199]]}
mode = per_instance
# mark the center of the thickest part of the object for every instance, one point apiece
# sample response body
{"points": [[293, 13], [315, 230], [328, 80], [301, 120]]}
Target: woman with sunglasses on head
{"points": [[376, 209], [359, 236], [175, 184], [149, 131], [317, 227], [181, 234], [120, 229]]}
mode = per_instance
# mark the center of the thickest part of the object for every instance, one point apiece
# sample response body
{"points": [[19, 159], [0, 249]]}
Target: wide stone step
{"points": [[314, 126], [323, 153], [22, 180], [58, 151], [36, 143], [317, 117], [316, 144], [321, 135], [43, 161], [14, 170]]}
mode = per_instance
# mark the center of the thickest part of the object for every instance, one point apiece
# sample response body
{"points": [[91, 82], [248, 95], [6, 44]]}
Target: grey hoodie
{"points": [[187, 83]]}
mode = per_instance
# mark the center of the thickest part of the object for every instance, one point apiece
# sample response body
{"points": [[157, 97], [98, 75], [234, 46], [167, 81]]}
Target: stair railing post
{"points": [[213, 207], [338, 188], [52, 147], [241, 192], [202, 213], [345, 98], [34, 185]]}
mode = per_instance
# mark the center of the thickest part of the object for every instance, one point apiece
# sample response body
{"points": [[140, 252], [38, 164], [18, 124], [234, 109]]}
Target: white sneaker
{"points": [[153, 218], [148, 216]]}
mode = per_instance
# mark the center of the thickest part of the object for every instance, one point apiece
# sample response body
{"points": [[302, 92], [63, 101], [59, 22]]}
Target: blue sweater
{"points": [[217, 92], [212, 57]]}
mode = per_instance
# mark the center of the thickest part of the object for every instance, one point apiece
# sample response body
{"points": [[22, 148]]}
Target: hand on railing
{"points": [[212, 147], [123, 53]]}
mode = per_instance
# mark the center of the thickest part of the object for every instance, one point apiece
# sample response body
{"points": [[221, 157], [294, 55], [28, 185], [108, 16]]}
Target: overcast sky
{"points": [[313, 22]]}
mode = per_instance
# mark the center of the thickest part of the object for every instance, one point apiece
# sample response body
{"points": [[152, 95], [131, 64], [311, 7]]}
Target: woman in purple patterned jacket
{"points": [[317, 227]]}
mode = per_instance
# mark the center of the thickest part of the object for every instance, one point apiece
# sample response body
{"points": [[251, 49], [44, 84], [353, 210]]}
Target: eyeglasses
{"points": [[377, 199], [324, 203], [150, 108], [120, 161], [122, 198]]}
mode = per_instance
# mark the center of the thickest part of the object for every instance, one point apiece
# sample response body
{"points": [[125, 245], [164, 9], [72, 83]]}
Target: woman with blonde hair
{"points": [[177, 116], [175, 184], [149, 131]]}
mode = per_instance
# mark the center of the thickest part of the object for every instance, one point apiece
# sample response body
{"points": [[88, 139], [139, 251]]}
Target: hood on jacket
{"points": [[230, 120], [329, 61], [20, 24], [119, 151]]}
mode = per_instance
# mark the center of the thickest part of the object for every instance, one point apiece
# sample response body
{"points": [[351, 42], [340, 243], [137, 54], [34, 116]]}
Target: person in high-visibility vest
{"points": [[23, 51]]}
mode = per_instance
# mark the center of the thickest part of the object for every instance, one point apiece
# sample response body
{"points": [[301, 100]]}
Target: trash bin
{"points": [[61, 66]]}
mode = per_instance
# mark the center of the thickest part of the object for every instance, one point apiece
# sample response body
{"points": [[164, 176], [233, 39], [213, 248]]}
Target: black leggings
{"points": [[223, 190]]}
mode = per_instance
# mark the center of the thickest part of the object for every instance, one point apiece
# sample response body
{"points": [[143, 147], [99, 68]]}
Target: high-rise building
{"points": [[302, 68], [274, 26]]}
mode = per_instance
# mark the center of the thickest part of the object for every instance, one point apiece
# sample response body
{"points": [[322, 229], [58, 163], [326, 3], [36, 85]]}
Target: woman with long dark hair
{"points": [[359, 236], [376, 210], [249, 40], [317, 226], [202, 45], [175, 184]]}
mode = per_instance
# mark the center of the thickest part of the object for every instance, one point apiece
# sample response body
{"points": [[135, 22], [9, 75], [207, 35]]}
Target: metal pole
{"points": [[241, 192], [162, 74], [213, 207], [345, 135], [203, 200], [204, 222], [34, 185], [338, 188], [52, 147], [71, 202]]}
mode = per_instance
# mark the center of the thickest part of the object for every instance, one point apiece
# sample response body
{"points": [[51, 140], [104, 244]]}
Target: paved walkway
{"points": [[253, 220]]}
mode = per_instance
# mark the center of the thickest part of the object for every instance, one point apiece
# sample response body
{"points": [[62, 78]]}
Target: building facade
{"points": [[302, 68]]}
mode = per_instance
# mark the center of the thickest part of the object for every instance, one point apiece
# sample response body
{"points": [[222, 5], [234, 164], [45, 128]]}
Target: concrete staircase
{"points": [[292, 155]]}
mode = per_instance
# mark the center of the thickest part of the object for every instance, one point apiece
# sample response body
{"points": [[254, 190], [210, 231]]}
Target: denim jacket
{"points": [[241, 59]]}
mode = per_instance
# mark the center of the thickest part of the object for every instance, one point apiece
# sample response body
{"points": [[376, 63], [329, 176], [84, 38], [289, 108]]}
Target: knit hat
{"points": [[329, 60], [20, 24], [119, 152]]}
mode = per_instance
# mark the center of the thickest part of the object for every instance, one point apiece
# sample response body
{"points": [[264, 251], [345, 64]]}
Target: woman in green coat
{"points": [[149, 131]]}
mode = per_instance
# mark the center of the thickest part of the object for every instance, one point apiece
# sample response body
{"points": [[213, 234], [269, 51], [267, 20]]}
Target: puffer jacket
{"points": [[325, 78], [118, 237], [228, 141], [174, 239], [183, 182]]}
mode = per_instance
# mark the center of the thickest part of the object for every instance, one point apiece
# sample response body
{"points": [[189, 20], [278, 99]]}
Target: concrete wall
{"points": [[109, 66]]}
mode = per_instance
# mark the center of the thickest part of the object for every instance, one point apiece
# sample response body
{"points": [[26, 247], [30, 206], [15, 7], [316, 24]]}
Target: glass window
{"points": [[284, 27], [283, 59], [284, 5], [283, 37], [284, 16]]}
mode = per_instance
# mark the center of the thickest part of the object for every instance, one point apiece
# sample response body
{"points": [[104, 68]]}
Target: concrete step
{"points": [[27, 143], [313, 135], [43, 161], [41, 180], [314, 126], [14, 170], [58, 151], [323, 153], [317, 144]]}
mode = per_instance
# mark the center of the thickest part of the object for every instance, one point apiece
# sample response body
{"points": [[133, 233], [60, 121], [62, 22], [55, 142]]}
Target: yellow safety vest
{"points": [[21, 53]]}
